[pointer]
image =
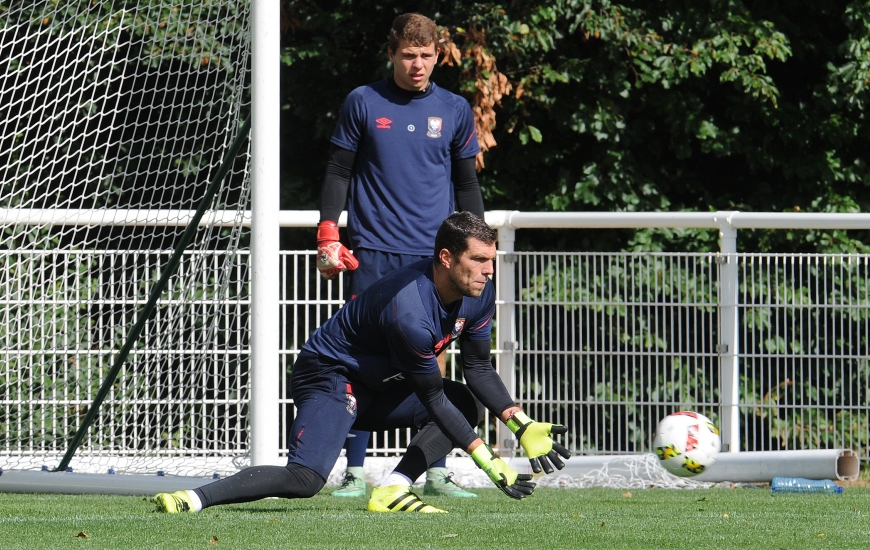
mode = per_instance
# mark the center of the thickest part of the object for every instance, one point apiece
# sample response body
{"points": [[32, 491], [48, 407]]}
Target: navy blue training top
{"points": [[400, 187], [398, 325]]}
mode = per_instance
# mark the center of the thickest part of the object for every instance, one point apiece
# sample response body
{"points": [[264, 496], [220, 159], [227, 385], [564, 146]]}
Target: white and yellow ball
{"points": [[687, 443]]}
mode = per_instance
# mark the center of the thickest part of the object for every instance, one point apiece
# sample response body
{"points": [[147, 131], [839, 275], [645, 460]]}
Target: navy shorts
{"points": [[373, 265], [328, 405]]}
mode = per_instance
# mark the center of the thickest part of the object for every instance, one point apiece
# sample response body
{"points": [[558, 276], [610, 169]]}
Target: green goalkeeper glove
{"points": [[511, 483], [536, 439]]}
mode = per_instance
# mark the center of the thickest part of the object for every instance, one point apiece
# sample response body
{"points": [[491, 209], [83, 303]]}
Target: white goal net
{"points": [[115, 117]]}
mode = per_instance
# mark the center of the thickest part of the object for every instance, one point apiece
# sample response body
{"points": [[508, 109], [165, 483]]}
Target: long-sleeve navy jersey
{"points": [[397, 327]]}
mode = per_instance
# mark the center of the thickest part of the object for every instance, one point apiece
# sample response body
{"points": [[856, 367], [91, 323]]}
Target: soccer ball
{"points": [[687, 443]]}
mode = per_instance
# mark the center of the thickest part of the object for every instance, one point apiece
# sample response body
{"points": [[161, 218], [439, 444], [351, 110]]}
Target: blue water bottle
{"points": [[803, 485]]}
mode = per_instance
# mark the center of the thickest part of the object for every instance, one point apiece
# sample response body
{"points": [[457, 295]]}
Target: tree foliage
{"points": [[630, 106]]}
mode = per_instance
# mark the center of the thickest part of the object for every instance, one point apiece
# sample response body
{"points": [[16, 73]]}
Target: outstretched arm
{"points": [[430, 390], [536, 438], [482, 379]]}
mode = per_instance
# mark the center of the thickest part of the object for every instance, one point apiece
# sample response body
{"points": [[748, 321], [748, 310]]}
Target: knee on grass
{"points": [[305, 482]]}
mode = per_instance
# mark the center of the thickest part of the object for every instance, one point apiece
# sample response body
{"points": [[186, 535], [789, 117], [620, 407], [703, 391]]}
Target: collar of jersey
{"points": [[391, 84]]}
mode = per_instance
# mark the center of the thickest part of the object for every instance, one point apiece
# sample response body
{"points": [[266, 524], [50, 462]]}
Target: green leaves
{"points": [[618, 106], [530, 132], [849, 81]]}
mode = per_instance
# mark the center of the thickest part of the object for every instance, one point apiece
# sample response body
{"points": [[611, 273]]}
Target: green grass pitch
{"points": [[556, 519]]}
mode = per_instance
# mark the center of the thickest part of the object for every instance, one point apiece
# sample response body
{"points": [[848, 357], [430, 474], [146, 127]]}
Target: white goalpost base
{"points": [[836, 464], [644, 471], [72, 483], [609, 471]]}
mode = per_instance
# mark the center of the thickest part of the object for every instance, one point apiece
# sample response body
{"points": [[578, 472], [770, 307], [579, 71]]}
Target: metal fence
{"points": [[608, 344], [805, 324], [773, 347]]}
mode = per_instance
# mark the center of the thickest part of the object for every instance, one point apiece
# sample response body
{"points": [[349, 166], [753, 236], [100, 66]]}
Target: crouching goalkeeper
{"points": [[373, 367]]}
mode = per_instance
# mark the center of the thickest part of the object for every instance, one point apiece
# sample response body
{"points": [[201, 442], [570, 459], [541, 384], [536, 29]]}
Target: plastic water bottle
{"points": [[803, 485]]}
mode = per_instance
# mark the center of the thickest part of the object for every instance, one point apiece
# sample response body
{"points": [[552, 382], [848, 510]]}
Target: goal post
{"points": [[265, 206]]}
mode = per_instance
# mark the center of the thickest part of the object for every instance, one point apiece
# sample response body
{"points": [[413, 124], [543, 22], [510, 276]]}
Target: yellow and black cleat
{"points": [[173, 503], [399, 498]]}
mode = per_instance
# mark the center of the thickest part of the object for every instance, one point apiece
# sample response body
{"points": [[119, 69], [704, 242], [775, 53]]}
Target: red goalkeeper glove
{"points": [[332, 256]]}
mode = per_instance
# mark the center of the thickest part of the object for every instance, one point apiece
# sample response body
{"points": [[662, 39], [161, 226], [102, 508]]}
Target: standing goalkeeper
{"points": [[402, 150], [373, 366]]}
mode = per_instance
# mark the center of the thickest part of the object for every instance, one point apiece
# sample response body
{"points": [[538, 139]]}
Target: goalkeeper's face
{"points": [[469, 272]]}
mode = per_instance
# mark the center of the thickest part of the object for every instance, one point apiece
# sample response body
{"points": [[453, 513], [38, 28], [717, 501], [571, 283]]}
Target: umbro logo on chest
{"points": [[433, 126]]}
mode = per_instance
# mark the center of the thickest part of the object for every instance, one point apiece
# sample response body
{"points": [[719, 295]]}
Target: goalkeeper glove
{"points": [[511, 483], [332, 256], [536, 439]]}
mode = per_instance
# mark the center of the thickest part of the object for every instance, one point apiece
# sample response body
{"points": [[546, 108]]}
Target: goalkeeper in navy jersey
{"points": [[402, 159], [373, 366]]}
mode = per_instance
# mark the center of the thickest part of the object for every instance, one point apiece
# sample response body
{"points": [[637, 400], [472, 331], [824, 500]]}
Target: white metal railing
{"points": [[606, 343], [724, 347], [727, 223]]}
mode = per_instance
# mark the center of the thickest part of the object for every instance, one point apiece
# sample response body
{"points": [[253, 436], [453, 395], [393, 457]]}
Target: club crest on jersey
{"points": [[434, 127], [457, 328]]}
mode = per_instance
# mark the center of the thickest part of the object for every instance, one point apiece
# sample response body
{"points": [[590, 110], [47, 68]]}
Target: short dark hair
{"points": [[458, 228], [415, 29]]}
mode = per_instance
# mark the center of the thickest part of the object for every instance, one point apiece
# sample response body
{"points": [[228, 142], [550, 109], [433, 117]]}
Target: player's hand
{"points": [[332, 256], [511, 483], [537, 440]]}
